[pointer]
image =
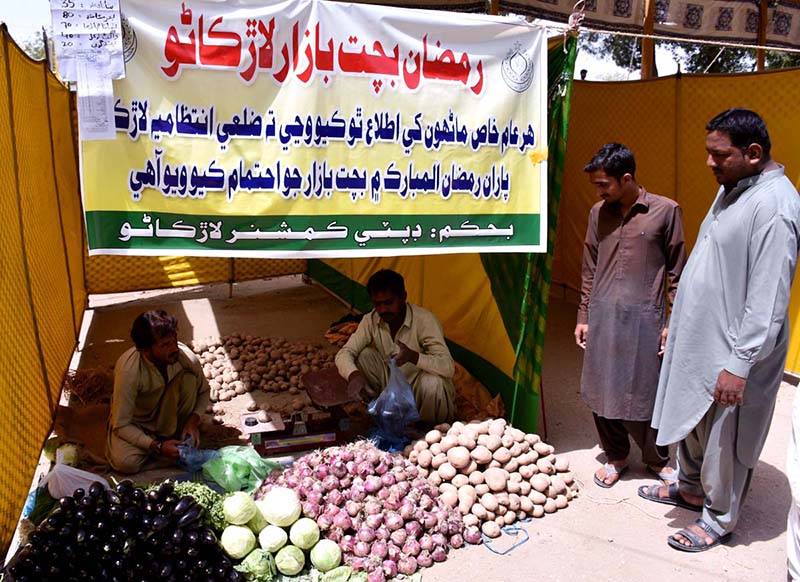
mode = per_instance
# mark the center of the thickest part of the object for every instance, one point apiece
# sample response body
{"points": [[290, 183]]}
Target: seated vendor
{"points": [[159, 394], [413, 336]]}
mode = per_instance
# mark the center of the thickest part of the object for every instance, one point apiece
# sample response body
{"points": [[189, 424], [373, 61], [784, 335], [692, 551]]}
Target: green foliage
{"points": [[626, 52]]}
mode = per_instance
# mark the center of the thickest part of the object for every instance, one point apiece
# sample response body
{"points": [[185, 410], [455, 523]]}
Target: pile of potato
{"points": [[237, 364], [494, 473]]}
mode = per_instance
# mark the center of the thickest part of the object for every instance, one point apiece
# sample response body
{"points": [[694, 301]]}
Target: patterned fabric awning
{"points": [[731, 20]]}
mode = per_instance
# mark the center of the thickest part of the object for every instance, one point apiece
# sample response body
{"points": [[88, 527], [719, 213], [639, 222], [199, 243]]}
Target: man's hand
{"points": [[406, 355], [581, 333], [169, 449], [729, 390], [357, 384], [192, 430], [663, 341]]}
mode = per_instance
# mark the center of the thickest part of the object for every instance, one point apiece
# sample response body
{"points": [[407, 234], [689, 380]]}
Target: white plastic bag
{"points": [[63, 480]]}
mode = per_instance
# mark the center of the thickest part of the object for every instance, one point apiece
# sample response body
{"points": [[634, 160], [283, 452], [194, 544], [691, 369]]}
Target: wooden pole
{"points": [[494, 7], [649, 43], [763, 14]]}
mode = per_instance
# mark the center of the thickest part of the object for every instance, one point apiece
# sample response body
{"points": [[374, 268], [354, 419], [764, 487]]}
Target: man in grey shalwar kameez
{"points": [[729, 333]]}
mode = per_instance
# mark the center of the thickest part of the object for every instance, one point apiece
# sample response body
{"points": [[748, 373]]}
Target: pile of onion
{"points": [[385, 516], [493, 473]]}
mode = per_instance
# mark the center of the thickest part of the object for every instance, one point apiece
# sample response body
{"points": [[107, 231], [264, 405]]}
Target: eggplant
{"points": [[114, 498], [137, 495], [191, 538], [115, 512], [78, 494], [191, 516], [152, 496], [96, 489], [207, 537], [86, 502], [192, 551], [66, 503], [165, 490], [177, 536], [130, 514], [181, 565], [184, 504], [125, 486]]}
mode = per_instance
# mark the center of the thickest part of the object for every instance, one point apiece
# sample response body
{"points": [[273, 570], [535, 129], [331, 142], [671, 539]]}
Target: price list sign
{"points": [[87, 30]]}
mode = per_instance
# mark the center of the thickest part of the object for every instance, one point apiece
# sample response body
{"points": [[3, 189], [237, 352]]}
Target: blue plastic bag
{"points": [[193, 459], [393, 410]]}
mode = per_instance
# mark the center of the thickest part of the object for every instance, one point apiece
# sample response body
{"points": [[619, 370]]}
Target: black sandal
{"points": [[698, 543], [674, 496]]}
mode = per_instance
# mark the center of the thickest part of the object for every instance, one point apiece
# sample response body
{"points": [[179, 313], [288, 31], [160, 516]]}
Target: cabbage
{"points": [[280, 506], [239, 508], [237, 541], [272, 538], [258, 566], [326, 555], [304, 533], [257, 523], [290, 560], [340, 574], [68, 455]]}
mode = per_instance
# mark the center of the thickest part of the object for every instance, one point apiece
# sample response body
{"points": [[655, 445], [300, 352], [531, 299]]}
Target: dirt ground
{"points": [[603, 535]]}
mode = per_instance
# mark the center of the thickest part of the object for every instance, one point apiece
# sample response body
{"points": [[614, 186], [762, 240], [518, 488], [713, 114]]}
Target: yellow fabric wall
{"points": [[115, 273], [41, 290], [663, 122]]}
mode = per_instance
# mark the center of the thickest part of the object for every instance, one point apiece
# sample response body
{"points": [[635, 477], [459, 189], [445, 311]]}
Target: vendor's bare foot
{"points": [[610, 473]]}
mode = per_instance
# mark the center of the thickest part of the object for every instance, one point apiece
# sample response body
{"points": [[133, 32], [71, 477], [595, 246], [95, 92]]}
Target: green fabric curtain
{"points": [[521, 282]]}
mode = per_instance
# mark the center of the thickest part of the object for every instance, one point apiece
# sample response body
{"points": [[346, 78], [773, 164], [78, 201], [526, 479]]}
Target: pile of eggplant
{"points": [[123, 534]]}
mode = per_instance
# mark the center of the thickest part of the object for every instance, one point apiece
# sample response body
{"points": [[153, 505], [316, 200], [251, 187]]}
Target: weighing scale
{"points": [[303, 430]]}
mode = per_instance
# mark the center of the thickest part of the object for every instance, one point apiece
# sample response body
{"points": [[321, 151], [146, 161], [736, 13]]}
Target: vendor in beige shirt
{"points": [[159, 394], [413, 336]]}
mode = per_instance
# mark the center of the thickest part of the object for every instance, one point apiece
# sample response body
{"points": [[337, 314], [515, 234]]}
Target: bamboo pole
{"points": [[648, 42]]}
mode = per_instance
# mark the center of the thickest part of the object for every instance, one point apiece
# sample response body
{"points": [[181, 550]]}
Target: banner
{"points": [[320, 129]]}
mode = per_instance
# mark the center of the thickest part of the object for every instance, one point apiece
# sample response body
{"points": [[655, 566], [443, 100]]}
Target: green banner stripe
{"points": [[156, 230], [521, 282]]}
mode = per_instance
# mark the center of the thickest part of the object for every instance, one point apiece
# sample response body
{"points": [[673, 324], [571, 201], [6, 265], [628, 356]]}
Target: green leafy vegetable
{"points": [[258, 566]]}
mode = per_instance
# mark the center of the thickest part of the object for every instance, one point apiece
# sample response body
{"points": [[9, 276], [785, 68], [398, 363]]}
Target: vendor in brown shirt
{"points": [[160, 393], [632, 261]]}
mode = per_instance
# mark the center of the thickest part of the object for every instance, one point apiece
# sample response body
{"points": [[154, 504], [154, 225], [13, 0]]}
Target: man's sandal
{"points": [[610, 470], [663, 476], [650, 492], [698, 542]]}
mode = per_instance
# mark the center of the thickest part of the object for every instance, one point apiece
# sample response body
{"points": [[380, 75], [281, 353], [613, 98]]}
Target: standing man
{"points": [[410, 333], [160, 393], [728, 335], [632, 260]]}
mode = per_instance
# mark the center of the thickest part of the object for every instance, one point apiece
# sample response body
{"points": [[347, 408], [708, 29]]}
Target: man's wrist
{"points": [[156, 446]]}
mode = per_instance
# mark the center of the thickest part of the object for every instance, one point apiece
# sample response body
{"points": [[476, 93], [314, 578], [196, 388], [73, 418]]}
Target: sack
{"points": [[393, 410], [238, 468], [63, 480]]}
